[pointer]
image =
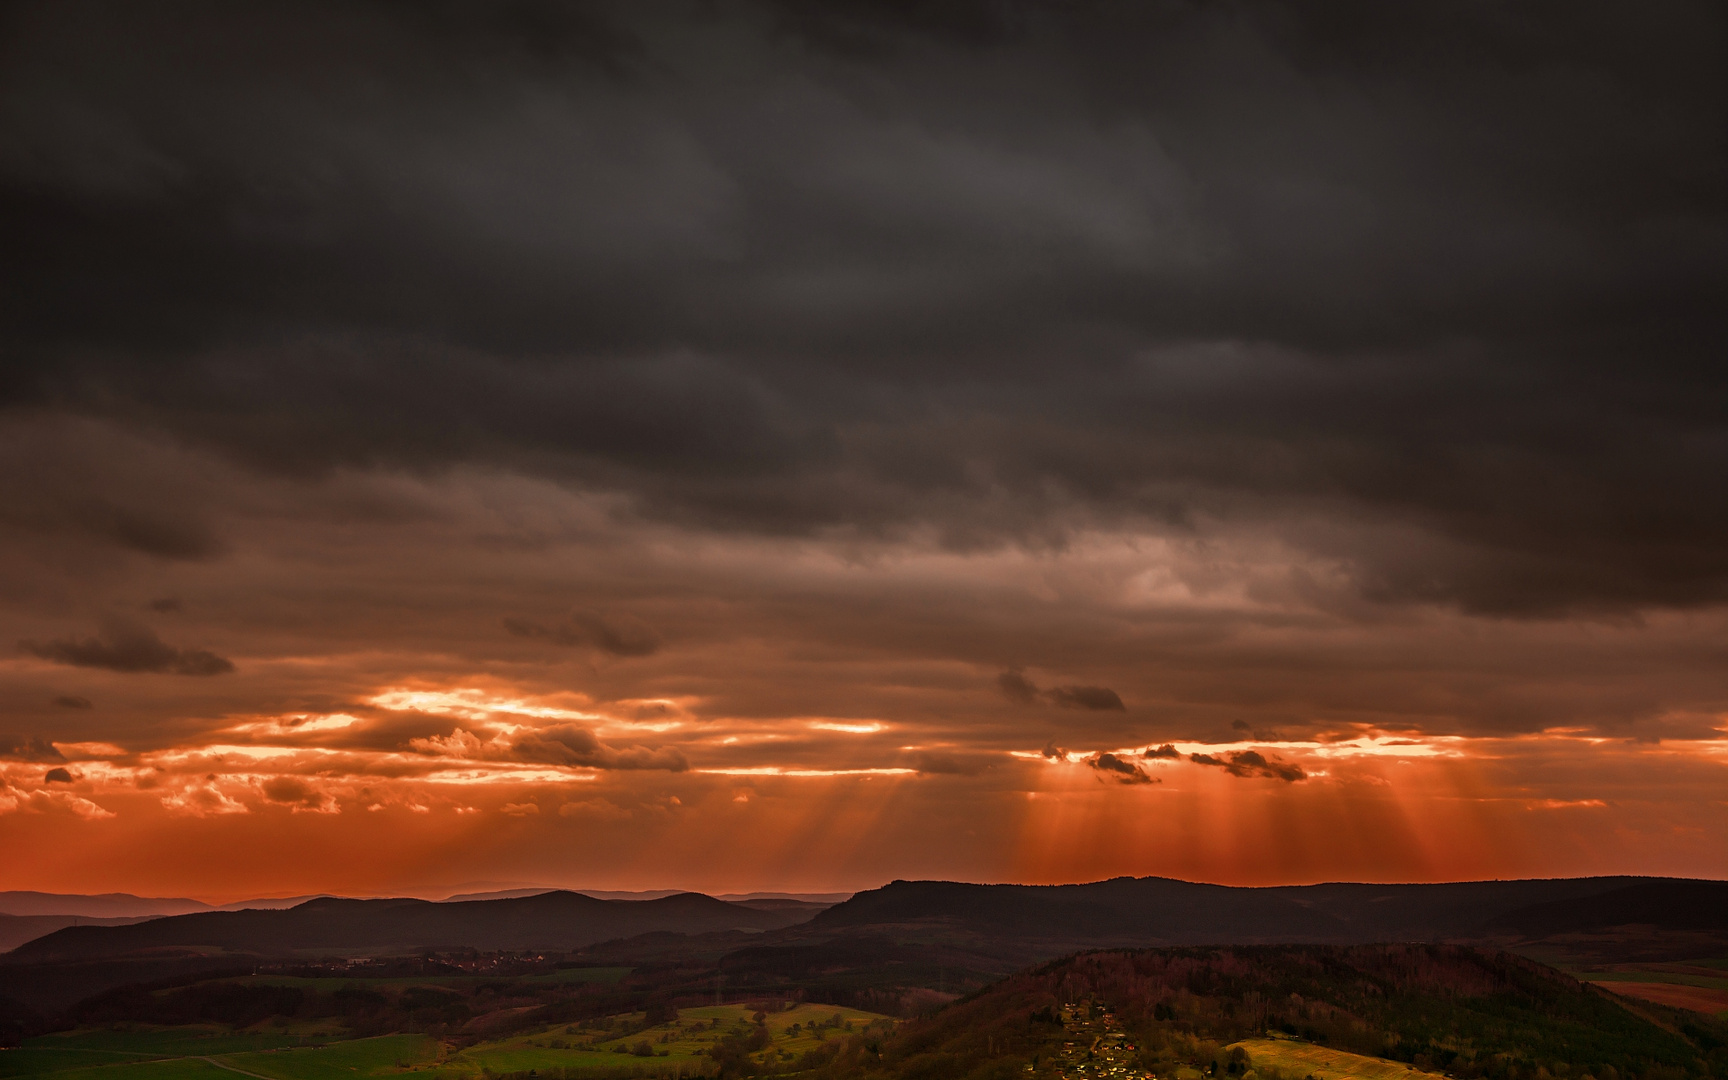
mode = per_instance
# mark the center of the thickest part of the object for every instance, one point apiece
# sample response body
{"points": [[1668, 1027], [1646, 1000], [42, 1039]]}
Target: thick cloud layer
{"points": [[1434, 291]]}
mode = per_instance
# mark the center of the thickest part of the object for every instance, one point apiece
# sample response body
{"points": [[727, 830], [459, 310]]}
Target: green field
{"points": [[1299, 1058], [40, 1060], [301, 1053], [174, 1053], [181, 1068], [200, 1040], [326, 984], [384, 1055], [1655, 974], [105, 1050], [684, 1043]]}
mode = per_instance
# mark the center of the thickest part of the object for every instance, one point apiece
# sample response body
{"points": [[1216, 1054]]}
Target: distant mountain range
{"points": [[326, 926], [27, 915], [128, 906], [102, 906], [823, 899], [15, 930]]}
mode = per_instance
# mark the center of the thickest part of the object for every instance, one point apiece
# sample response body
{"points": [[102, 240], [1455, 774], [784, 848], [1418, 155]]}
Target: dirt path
{"points": [[234, 1068]]}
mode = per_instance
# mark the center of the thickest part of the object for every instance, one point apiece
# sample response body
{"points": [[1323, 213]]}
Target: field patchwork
{"points": [[1702, 999], [1698, 985]]}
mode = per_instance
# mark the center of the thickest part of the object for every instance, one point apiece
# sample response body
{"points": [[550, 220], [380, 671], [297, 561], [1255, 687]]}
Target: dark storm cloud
{"points": [[614, 636], [1117, 769], [1096, 698], [1252, 763], [128, 647], [1165, 752], [95, 482], [1019, 689], [1262, 735], [34, 748], [292, 791], [1430, 291], [570, 744], [1016, 687]]}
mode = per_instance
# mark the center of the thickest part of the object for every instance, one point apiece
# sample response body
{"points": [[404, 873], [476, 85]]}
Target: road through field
{"points": [[231, 1068]]}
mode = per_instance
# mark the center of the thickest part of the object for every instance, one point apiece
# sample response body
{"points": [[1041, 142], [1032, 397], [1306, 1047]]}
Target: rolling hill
{"points": [[329, 926], [1052, 919], [15, 930]]}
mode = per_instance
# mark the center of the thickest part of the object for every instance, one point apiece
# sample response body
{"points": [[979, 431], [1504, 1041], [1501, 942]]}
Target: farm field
{"points": [[684, 1043], [209, 1053], [107, 1049], [1701, 999], [198, 1040], [1295, 1056], [1699, 985], [1696, 973], [383, 1055], [182, 1068], [180, 1054]]}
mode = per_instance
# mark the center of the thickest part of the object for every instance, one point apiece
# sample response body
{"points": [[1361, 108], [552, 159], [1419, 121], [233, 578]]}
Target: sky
{"points": [[772, 446]]}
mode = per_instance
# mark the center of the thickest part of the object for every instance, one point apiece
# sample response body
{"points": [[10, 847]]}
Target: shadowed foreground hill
{"points": [[554, 920], [1452, 1009]]}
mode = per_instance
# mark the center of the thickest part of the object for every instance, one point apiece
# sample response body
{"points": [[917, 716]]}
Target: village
{"points": [[1094, 1044]]}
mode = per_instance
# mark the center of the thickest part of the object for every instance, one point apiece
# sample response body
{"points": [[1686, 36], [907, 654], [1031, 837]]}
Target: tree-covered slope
{"points": [[1462, 1011]]}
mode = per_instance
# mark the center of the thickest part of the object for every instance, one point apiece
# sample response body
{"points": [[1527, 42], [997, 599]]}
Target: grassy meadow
{"points": [[1297, 1058]]}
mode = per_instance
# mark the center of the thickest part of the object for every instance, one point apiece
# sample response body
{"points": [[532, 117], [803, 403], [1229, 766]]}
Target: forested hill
{"points": [[1162, 911], [554, 920], [1453, 1009]]}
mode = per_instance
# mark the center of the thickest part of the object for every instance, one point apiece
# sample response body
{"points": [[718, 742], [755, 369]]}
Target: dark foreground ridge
{"points": [[1455, 1010], [1256, 1012]]}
